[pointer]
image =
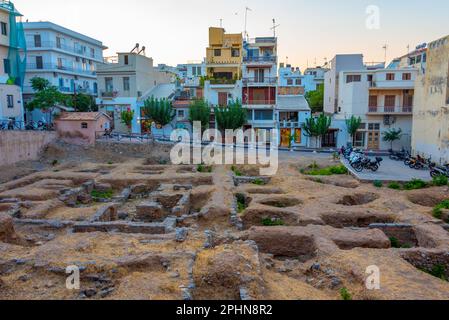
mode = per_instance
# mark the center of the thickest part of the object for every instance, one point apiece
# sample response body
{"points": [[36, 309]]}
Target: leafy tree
{"points": [[392, 135], [352, 125], [81, 102], [159, 110], [317, 127], [200, 111], [231, 117], [46, 96], [316, 99], [127, 118]]}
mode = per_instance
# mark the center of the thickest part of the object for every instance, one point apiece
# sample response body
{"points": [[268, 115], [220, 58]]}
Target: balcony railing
{"points": [[269, 59], [60, 46], [55, 67], [109, 94], [222, 81], [289, 124], [397, 109], [260, 81], [259, 102]]}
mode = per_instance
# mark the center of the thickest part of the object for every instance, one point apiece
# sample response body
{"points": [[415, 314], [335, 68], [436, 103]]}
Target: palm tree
{"points": [[352, 125], [317, 127], [392, 135]]}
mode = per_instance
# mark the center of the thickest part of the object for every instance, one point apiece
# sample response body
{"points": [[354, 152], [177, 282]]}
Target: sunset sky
{"points": [[177, 31]]}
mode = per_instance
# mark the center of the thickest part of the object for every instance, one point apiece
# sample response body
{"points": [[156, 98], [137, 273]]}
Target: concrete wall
{"points": [[431, 112], [18, 146]]}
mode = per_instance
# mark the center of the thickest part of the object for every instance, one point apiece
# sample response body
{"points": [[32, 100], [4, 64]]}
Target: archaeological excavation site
{"points": [[138, 227]]}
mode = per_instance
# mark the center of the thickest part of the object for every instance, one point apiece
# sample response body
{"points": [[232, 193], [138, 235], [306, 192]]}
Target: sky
{"points": [[309, 32]]}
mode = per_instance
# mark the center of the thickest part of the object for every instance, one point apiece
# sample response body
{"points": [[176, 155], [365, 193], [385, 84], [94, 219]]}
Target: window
{"points": [[39, 62], [223, 99], [259, 75], [109, 84], [92, 52], [369, 78], [359, 139], [4, 29], [84, 125], [390, 76], [126, 60], [235, 52], [390, 101], [126, 84], [373, 126], [60, 64], [406, 76], [289, 82], [181, 114], [298, 82], [58, 42], [6, 66], [263, 115], [373, 101], [353, 78], [37, 41], [217, 52], [10, 99]]}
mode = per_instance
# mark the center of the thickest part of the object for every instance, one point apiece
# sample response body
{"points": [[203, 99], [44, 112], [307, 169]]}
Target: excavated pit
{"points": [[358, 199], [281, 202]]}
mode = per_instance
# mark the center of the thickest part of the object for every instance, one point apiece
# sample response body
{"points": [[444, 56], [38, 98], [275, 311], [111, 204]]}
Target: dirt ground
{"points": [[137, 227]]}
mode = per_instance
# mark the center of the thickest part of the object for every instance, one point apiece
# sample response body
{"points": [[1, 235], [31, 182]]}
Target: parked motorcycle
{"points": [[399, 156], [420, 163], [368, 164], [436, 171]]}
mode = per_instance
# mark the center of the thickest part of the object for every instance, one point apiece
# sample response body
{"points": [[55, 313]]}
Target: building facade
{"points": [[66, 58], [223, 67], [382, 98], [124, 81], [431, 112], [12, 66]]}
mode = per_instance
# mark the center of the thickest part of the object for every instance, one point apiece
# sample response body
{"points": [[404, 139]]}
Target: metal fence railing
{"points": [[28, 126]]}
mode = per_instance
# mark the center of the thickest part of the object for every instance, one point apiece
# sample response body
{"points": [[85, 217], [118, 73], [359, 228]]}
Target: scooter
{"points": [[436, 171]]}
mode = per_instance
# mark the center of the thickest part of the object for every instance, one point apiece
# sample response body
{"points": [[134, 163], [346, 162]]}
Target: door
{"points": [[223, 99], [373, 140], [285, 138]]}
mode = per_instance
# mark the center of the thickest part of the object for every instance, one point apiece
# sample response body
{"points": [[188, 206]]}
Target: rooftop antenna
{"points": [[221, 23], [275, 26], [246, 21], [408, 49], [385, 47], [286, 61]]}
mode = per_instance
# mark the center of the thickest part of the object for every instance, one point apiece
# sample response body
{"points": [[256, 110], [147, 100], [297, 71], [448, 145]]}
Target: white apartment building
{"points": [[382, 98], [292, 81], [65, 57], [125, 82]]}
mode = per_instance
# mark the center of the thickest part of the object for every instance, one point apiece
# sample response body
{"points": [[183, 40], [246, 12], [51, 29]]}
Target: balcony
{"points": [[264, 59], [265, 81], [392, 84], [46, 45], [398, 110], [264, 102], [53, 67], [289, 124], [109, 94]]}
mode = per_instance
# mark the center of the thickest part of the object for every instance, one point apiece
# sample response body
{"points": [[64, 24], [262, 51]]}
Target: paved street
{"points": [[391, 171]]}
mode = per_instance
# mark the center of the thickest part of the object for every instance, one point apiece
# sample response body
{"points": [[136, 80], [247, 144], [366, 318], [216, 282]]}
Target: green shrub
{"points": [[54, 163], [96, 194], [438, 210], [329, 171], [236, 171], [438, 271], [110, 162], [395, 242], [241, 202], [345, 295], [415, 184], [378, 184], [259, 182], [394, 186], [272, 222], [202, 168], [314, 165], [440, 181]]}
